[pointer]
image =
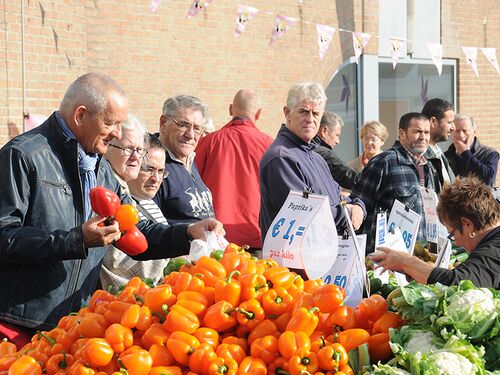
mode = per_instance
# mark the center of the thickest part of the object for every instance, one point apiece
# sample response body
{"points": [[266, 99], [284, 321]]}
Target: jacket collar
{"points": [[322, 143], [241, 120], [288, 134]]}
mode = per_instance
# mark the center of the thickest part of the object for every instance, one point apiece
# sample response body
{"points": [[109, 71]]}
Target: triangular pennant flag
{"points": [[471, 58], [325, 34], [155, 4], [396, 46], [243, 16], [197, 6], [436, 51], [281, 26], [491, 55], [359, 41]]}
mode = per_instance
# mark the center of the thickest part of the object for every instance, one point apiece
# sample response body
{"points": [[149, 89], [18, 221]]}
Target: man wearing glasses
{"points": [[140, 172], [183, 196]]}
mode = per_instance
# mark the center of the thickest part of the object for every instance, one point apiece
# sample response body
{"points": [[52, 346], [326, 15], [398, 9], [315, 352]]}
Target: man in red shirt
{"points": [[228, 162]]}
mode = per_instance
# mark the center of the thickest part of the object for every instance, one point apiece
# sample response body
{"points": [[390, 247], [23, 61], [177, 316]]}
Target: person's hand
{"points": [[356, 213], [460, 146], [95, 235], [197, 230], [389, 259]]}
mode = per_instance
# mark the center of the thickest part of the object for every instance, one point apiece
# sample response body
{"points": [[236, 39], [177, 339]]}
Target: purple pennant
{"points": [[424, 85], [346, 92]]}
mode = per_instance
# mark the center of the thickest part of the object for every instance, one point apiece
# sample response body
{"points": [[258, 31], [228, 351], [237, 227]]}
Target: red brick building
{"points": [[157, 55]]}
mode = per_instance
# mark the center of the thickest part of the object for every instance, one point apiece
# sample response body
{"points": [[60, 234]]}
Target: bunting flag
{"points": [[243, 16], [359, 42], [491, 55], [471, 58], [325, 34], [436, 51], [396, 46], [281, 26], [155, 4], [197, 6]]}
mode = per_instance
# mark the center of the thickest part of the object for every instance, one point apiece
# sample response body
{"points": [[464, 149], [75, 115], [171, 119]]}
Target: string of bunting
{"points": [[245, 13]]}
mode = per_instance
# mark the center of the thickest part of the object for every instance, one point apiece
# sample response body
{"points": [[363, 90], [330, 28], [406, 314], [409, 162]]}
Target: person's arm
{"points": [[486, 169], [341, 172], [401, 261]]}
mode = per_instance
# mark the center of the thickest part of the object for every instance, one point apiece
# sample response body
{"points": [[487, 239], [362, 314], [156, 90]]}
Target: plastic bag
{"points": [[212, 242]]}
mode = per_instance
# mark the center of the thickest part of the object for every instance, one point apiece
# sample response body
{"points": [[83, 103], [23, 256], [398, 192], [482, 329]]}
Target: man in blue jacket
{"points": [[51, 247], [291, 163]]}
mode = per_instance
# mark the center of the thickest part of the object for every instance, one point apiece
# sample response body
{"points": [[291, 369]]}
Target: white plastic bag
{"points": [[212, 242]]}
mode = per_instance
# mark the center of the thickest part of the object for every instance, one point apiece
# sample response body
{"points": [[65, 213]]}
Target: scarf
{"points": [[86, 167]]}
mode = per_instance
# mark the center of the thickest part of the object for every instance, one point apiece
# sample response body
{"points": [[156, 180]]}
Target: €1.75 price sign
{"points": [[303, 235]]}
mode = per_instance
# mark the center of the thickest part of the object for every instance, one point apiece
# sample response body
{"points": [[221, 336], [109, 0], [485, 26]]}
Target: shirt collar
{"points": [[189, 162]]}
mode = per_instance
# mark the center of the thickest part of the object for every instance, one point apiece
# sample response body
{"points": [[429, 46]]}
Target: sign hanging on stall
{"points": [[407, 220]]}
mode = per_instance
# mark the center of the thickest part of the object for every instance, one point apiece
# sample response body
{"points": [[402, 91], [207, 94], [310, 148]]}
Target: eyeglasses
{"points": [[451, 235], [185, 126], [129, 150], [150, 171]]}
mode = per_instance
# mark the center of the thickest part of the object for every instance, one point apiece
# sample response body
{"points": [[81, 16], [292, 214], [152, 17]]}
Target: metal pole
{"points": [[23, 72]]}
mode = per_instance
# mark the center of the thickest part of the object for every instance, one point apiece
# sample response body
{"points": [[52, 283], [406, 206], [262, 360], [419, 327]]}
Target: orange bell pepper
{"points": [[343, 317], [165, 370], [182, 345], [253, 366], [379, 348], [233, 351], [252, 267], [7, 348], [328, 297], [161, 356], [373, 307], [276, 301], [97, 352], [331, 357], [98, 297], [119, 337], [181, 281], [278, 367], [207, 335], [386, 321], [237, 341], [352, 338], [223, 366], [318, 342], [304, 319], [58, 363], [265, 348], [220, 316], [228, 290], [195, 302], [158, 296], [311, 285], [252, 286], [115, 310], [181, 319], [280, 277], [231, 261], [264, 328], [155, 334], [290, 342], [250, 313], [137, 317], [281, 321], [211, 269], [202, 357], [303, 362], [136, 361]]}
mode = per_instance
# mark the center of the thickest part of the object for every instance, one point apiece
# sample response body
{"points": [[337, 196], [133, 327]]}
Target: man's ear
{"points": [[78, 114], [433, 121], [286, 111], [163, 121], [231, 110]]}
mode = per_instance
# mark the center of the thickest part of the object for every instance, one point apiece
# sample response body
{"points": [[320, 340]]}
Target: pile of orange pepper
{"points": [[238, 315]]}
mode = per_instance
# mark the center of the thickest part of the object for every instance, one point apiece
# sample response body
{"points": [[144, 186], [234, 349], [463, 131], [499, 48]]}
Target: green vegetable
{"points": [[382, 369], [174, 265], [217, 254]]}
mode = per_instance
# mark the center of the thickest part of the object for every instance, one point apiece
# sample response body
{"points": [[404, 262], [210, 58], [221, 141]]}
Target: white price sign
{"points": [[407, 221], [432, 223], [348, 271], [303, 235], [380, 239]]}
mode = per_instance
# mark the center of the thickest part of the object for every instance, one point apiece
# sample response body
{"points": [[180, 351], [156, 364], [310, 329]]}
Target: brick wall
{"points": [[159, 55]]}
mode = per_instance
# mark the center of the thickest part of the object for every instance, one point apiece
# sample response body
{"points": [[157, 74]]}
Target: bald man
{"points": [[228, 161]]}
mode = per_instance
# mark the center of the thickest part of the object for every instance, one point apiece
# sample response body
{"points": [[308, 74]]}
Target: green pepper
{"points": [[174, 265], [217, 254]]}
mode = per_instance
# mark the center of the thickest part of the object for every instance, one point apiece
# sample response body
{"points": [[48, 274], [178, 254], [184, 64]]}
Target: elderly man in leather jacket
{"points": [[51, 247]]}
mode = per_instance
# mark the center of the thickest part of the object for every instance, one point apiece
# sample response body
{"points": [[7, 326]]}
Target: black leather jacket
{"points": [[45, 270]]}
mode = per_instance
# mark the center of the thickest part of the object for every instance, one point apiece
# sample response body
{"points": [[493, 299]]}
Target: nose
{"points": [[117, 132]]}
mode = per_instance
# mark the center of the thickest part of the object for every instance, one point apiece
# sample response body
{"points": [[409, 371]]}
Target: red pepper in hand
{"points": [[104, 202], [132, 242]]}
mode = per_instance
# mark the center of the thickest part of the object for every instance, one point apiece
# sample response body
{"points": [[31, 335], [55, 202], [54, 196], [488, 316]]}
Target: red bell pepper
{"points": [[104, 202], [132, 242]]}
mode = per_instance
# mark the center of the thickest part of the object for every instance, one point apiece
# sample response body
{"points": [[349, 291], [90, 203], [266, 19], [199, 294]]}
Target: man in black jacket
{"points": [[328, 137], [51, 245]]}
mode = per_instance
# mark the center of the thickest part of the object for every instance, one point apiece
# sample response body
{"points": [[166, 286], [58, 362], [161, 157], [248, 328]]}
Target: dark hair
{"points": [[404, 121], [331, 120], [468, 197], [151, 141], [436, 108]]}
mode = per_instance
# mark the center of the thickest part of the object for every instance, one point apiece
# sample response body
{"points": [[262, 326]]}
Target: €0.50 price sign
{"points": [[303, 235]]}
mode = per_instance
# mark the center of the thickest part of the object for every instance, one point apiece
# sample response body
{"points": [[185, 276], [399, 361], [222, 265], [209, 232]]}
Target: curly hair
{"points": [[468, 197]]}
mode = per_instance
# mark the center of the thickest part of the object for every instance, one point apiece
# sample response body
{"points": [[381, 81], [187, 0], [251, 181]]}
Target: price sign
{"points": [[347, 271], [407, 221], [380, 240], [443, 259], [432, 224], [303, 235]]}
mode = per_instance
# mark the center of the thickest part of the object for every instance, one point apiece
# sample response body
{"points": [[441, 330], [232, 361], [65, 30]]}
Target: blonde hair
{"points": [[375, 127]]}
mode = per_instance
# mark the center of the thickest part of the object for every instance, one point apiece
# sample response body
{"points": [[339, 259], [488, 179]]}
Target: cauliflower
{"points": [[422, 341], [448, 363], [477, 299]]}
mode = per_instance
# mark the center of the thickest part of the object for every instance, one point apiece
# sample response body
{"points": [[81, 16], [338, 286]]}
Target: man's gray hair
{"points": [[132, 123], [91, 90], [311, 91], [174, 104], [331, 120], [461, 116]]}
